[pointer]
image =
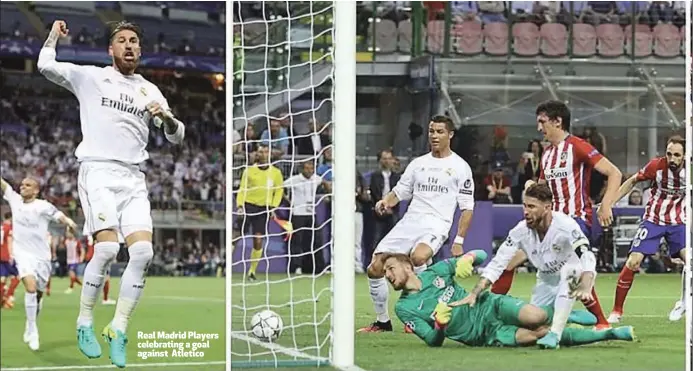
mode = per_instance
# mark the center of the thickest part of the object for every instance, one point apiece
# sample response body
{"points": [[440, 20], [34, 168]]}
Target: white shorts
{"points": [[408, 233], [113, 196], [38, 268], [548, 287]]}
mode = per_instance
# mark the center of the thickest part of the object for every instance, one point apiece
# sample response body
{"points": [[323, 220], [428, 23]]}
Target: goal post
{"points": [[344, 114], [279, 73]]}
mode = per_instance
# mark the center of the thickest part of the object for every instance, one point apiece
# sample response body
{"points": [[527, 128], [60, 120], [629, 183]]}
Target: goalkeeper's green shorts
{"points": [[507, 320]]}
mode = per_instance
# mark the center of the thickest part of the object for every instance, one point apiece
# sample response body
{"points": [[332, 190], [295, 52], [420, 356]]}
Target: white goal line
{"points": [[288, 351]]}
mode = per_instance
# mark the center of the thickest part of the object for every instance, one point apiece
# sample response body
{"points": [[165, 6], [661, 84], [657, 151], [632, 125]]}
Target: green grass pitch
{"points": [[168, 304], [660, 345]]}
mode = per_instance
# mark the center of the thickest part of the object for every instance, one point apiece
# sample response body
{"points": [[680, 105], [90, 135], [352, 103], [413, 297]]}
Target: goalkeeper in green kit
{"points": [[494, 320]]}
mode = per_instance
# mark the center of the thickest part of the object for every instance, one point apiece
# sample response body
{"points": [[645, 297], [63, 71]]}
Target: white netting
{"points": [[282, 98]]}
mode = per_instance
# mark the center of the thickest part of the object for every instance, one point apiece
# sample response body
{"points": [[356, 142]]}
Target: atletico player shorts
{"points": [[8, 269], [649, 236]]}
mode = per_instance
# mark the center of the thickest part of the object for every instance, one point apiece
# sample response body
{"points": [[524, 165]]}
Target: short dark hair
{"points": [[8, 215], [540, 191], [124, 25], [677, 139], [442, 119], [383, 151], [555, 109]]}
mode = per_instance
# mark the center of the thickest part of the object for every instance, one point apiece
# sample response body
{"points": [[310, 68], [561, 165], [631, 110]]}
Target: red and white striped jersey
{"points": [[567, 169], [73, 249], [667, 192]]}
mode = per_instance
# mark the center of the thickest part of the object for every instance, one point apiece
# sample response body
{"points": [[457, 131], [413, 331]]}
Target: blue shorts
{"points": [[649, 236], [72, 267], [8, 270], [586, 229]]}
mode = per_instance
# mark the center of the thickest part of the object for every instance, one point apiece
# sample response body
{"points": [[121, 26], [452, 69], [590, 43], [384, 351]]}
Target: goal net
{"points": [[292, 112]]}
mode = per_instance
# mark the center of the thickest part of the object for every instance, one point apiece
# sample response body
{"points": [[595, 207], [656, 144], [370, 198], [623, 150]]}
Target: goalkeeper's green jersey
{"points": [[467, 324]]}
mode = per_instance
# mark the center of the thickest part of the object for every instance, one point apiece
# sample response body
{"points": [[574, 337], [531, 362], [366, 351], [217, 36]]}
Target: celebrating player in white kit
{"points": [[434, 183], [117, 107], [30, 249], [555, 244]]}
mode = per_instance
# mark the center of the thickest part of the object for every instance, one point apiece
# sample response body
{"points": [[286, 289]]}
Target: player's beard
{"points": [[674, 167], [127, 65]]}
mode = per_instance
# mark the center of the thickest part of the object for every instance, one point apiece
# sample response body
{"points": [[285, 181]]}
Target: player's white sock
{"points": [[563, 305], [132, 283], [30, 306], [379, 293], [420, 268], [94, 276]]}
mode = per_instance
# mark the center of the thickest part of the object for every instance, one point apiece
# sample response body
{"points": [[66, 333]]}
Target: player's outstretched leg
{"points": [[562, 307], [680, 306], [379, 291], [131, 288], [104, 254], [625, 282], [579, 336]]}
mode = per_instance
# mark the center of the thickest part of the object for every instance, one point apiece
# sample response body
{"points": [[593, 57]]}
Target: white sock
{"points": [[683, 286], [30, 306], [420, 268], [563, 305], [132, 283], [104, 254], [379, 293]]}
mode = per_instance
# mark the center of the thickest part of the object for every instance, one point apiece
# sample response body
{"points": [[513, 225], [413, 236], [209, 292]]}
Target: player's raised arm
{"points": [[465, 200], [3, 185], [460, 266], [8, 193], [62, 73], [413, 324], [174, 129]]}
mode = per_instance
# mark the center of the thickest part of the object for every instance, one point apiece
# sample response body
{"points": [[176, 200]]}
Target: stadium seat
{"points": [[610, 40], [643, 40], [404, 36], [526, 38], [496, 38], [435, 37], [385, 33], [667, 40], [584, 40], [554, 40], [468, 38]]}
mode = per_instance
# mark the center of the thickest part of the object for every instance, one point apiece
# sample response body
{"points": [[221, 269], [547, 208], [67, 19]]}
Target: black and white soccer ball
{"points": [[266, 325]]}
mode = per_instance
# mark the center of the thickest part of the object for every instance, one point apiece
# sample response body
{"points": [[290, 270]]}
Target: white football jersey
{"points": [[113, 114], [30, 223], [548, 255], [434, 186]]}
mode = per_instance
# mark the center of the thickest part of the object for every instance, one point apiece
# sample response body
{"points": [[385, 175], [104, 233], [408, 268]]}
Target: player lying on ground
{"points": [[665, 216], [555, 245], [75, 257], [8, 268], [434, 183], [117, 108], [30, 249], [488, 320], [565, 167]]}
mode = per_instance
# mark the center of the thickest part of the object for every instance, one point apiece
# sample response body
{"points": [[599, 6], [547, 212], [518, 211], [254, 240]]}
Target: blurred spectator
{"points": [[492, 11], [314, 141], [498, 186], [325, 169], [597, 12], [362, 201], [276, 138], [305, 242], [382, 182]]}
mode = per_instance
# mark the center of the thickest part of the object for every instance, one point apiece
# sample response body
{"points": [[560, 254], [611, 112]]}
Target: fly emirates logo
{"points": [[557, 173]]}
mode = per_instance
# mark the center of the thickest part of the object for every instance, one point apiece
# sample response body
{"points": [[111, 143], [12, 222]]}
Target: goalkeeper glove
{"points": [[464, 267], [442, 314]]}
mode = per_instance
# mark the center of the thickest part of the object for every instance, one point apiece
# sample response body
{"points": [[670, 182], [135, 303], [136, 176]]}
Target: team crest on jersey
{"points": [[449, 171], [564, 156], [467, 183], [439, 282], [143, 91]]}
